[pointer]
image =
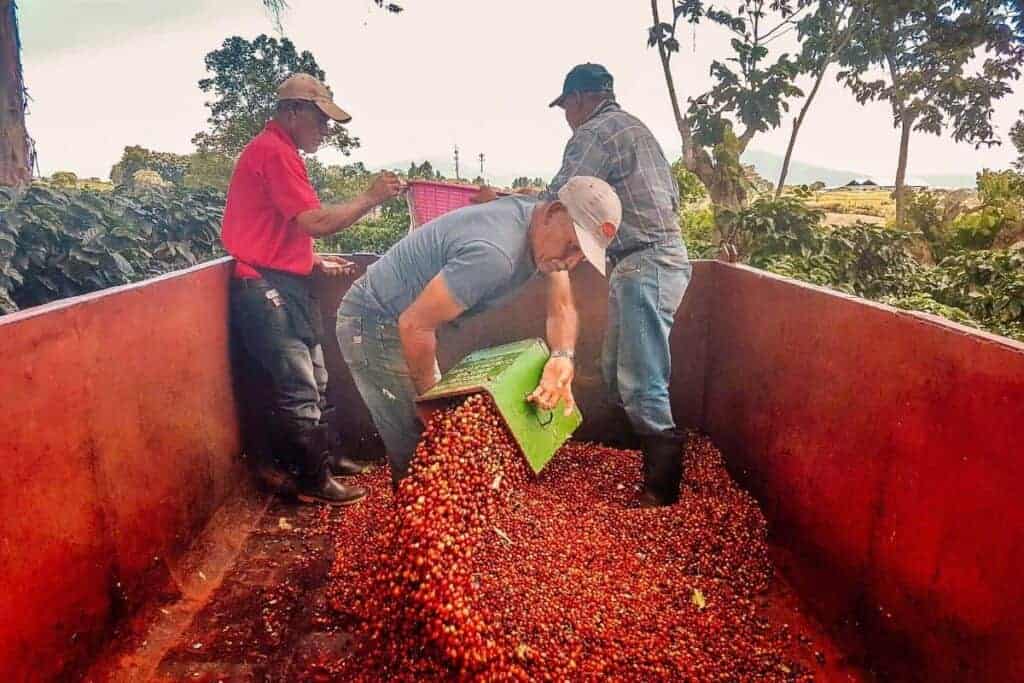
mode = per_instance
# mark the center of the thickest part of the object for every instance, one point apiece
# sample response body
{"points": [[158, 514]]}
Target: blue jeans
{"points": [[373, 353], [645, 290]]}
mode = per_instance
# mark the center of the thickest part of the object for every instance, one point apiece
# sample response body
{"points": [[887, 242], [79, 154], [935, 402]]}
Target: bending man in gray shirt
{"points": [[459, 265]]}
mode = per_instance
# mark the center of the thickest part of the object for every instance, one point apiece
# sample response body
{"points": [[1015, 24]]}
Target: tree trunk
{"points": [[796, 131], [843, 41], [722, 176], [727, 194], [901, 171], [15, 146], [686, 137], [695, 160]]}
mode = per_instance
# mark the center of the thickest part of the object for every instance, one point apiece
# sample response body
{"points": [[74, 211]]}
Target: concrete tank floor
{"points": [[249, 604]]}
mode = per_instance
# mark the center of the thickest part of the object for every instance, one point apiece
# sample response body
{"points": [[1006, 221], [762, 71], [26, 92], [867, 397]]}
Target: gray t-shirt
{"points": [[482, 252]]}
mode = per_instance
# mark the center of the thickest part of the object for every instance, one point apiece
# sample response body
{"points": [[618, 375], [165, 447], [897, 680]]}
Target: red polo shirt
{"points": [[269, 188]]}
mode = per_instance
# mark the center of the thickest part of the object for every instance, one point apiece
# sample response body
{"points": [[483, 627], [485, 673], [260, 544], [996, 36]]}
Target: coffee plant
{"points": [[988, 285], [982, 289], [57, 242], [374, 234]]}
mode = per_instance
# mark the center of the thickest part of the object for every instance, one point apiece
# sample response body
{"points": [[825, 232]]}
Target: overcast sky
{"points": [[103, 74]]}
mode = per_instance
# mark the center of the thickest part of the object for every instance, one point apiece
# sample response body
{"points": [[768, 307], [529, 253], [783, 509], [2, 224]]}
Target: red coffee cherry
{"points": [[478, 570]]}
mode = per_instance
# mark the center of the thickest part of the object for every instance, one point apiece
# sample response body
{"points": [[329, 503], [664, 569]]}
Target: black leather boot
{"points": [[341, 464], [315, 483], [663, 468]]}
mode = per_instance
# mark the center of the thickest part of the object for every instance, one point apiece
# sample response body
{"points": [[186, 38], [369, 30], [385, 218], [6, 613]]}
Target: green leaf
{"points": [[122, 264]]}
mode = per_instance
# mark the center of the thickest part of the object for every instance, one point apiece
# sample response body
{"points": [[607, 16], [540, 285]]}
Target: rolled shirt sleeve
{"points": [[288, 185], [584, 155]]}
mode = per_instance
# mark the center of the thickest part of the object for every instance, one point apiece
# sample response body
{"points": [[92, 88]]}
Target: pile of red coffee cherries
{"points": [[478, 570]]}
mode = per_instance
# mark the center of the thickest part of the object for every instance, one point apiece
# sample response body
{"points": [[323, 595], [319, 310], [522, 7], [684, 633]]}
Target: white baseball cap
{"points": [[596, 214]]}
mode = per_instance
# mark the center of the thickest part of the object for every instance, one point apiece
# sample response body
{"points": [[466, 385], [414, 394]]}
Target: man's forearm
{"points": [[419, 346], [562, 322], [334, 218], [562, 328]]}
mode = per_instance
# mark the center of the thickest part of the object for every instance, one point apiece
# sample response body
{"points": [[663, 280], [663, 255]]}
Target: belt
{"points": [[619, 256], [248, 282]]}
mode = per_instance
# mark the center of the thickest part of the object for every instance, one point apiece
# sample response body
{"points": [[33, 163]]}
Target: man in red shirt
{"points": [[270, 220]]}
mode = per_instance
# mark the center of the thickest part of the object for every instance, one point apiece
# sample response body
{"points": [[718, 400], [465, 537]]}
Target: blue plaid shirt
{"points": [[618, 148]]}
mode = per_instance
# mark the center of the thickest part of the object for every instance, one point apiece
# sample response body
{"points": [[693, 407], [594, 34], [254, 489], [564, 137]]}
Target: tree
{"points": [[424, 170], [1017, 138], [923, 49], [752, 94], [145, 179], [64, 179], [244, 83], [691, 189], [17, 153], [208, 170], [171, 167], [824, 33]]}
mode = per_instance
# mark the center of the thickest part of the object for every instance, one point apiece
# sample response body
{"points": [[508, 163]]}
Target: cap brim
{"points": [[592, 249], [557, 102], [332, 110]]}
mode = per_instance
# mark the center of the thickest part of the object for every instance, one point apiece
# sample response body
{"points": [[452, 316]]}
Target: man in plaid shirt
{"points": [[649, 266]]}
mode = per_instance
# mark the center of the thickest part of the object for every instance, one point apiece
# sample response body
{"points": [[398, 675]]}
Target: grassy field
{"points": [[878, 203]]}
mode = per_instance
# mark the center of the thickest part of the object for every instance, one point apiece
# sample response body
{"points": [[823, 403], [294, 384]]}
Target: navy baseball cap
{"points": [[585, 78]]}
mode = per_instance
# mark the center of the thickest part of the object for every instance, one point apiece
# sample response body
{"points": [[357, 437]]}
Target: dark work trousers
{"points": [[275, 347]]}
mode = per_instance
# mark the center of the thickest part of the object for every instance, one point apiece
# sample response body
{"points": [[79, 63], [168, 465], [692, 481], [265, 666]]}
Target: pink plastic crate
{"points": [[429, 199]]}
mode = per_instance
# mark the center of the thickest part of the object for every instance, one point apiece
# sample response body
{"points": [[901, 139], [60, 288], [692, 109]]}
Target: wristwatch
{"points": [[564, 353]]}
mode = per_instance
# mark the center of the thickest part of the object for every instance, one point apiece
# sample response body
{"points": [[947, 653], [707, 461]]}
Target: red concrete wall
{"points": [[118, 439], [886, 449]]}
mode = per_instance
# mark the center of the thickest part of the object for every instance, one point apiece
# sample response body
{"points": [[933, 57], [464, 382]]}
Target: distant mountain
{"points": [[769, 166], [951, 182]]}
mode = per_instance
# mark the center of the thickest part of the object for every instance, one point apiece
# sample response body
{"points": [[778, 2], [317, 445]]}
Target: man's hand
{"points": [[426, 380], [484, 194], [555, 385], [384, 187], [335, 266]]}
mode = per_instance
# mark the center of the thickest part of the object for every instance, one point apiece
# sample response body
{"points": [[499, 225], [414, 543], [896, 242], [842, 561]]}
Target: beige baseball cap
{"points": [[304, 87], [596, 214]]}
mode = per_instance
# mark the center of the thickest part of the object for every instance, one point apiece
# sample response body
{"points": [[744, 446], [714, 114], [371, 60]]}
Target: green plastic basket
{"points": [[508, 373]]}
